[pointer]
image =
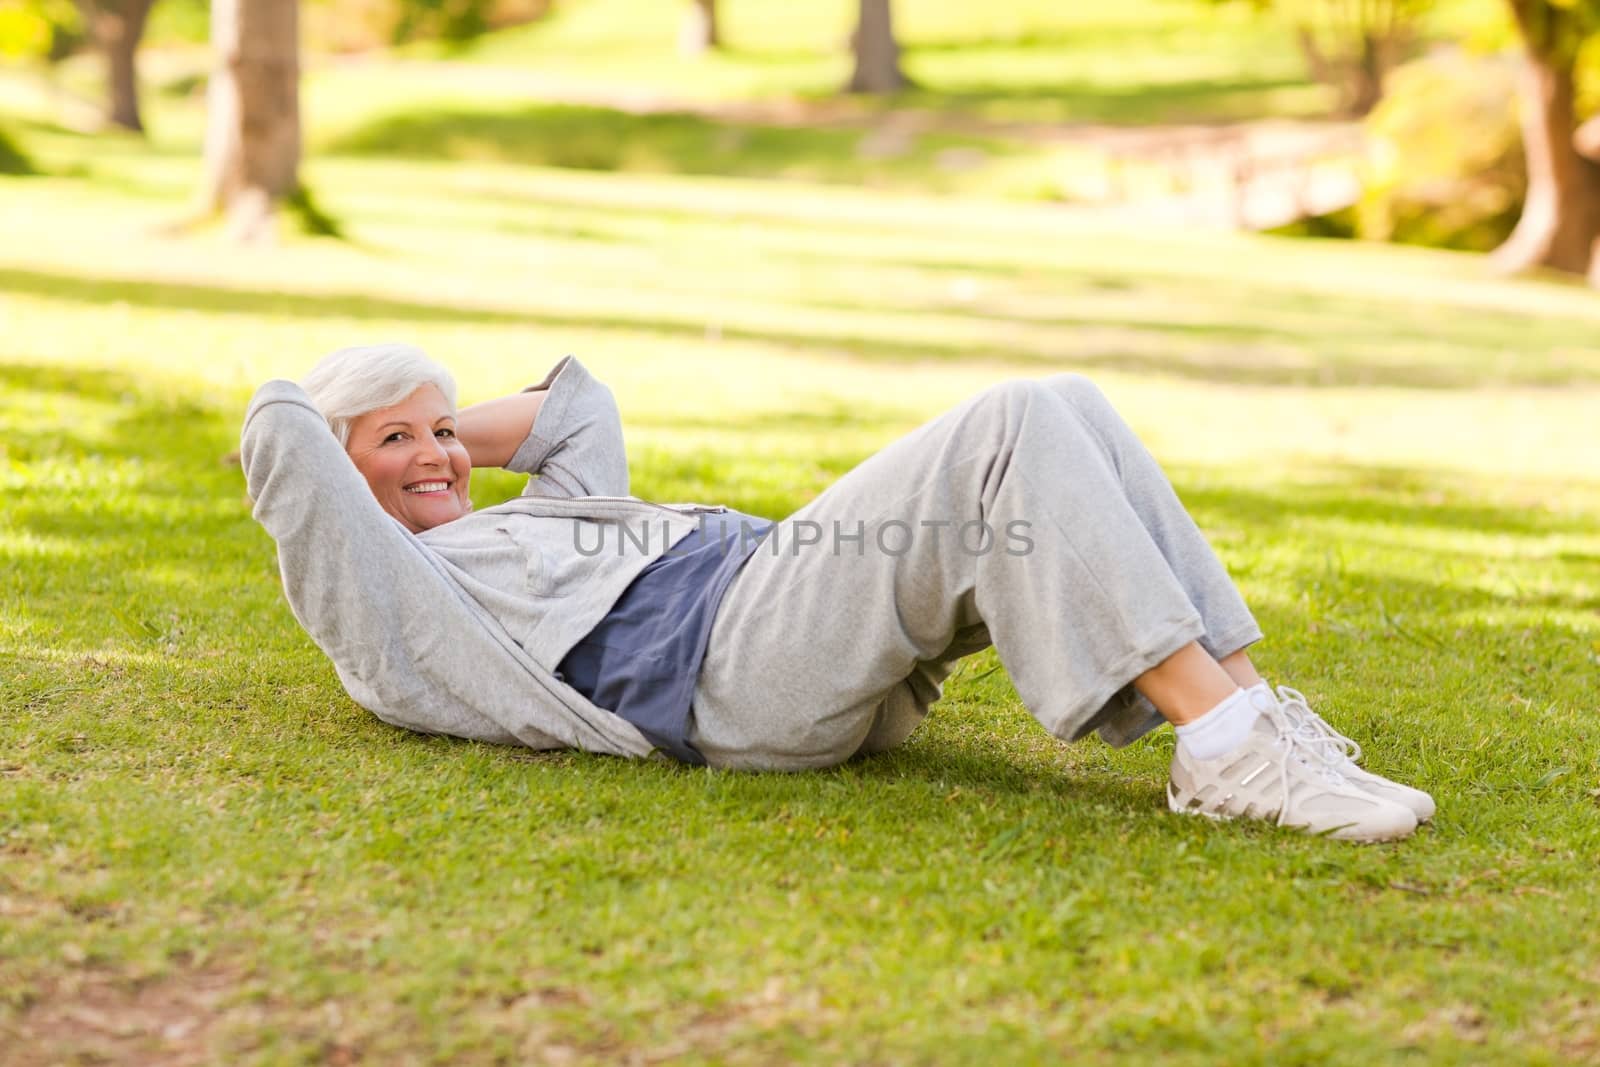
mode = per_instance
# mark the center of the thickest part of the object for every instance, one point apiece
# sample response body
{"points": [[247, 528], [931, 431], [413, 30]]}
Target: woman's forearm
{"points": [[492, 431]]}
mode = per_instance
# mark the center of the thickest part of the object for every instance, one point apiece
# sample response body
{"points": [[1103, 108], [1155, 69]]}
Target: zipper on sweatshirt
{"points": [[681, 509], [586, 503]]}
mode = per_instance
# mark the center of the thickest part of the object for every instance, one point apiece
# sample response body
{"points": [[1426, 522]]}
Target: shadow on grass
{"points": [[855, 418], [13, 160], [1387, 497], [1199, 100], [604, 139], [1237, 364], [1297, 335], [135, 519]]}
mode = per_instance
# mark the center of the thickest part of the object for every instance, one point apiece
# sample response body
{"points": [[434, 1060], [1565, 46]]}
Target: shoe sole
{"points": [[1179, 808]]}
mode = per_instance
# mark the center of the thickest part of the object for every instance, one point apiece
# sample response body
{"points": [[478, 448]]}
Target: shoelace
{"points": [[1313, 729], [1295, 744]]}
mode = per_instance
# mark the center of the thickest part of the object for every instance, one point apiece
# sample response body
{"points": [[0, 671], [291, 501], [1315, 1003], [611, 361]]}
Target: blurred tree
{"points": [[877, 53], [116, 27], [700, 32], [54, 29], [1353, 47], [252, 151], [1350, 45], [1560, 223]]}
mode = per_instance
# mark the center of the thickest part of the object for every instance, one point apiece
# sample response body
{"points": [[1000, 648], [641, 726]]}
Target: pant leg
{"points": [[1229, 624], [819, 647], [905, 705]]}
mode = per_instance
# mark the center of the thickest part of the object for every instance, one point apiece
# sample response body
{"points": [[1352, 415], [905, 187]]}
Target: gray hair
{"points": [[351, 382]]}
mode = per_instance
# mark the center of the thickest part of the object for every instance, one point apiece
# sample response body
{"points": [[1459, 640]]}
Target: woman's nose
{"points": [[431, 453]]}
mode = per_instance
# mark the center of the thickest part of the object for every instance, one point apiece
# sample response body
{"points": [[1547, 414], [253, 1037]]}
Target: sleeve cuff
{"points": [[565, 380]]}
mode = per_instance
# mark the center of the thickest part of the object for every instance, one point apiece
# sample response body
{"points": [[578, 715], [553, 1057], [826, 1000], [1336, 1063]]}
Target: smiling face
{"points": [[412, 460]]}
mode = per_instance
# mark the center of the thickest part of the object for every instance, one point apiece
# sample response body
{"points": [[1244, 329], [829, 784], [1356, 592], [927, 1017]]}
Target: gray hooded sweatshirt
{"points": [[458, 630]]}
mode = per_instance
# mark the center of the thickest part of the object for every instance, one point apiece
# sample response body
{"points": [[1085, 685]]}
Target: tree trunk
{"points": [[700, 33], [877, 53], [1560, 223], [1365, 87], [1356, 78], [253, 123], [117, 26]]}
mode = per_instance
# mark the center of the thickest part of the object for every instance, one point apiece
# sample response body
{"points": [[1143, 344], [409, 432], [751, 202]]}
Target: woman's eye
{"points": [[444, 432], [396, 436]]}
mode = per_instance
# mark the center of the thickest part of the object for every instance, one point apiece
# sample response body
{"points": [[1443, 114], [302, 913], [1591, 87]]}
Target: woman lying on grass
{"points": [[1029, 517]]}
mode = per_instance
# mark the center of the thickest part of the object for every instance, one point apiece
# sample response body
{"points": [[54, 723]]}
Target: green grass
{"points": [[208, 852]]}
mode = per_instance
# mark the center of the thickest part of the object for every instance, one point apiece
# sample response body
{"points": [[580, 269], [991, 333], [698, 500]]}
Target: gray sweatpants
{"points": [[1029, 517]]}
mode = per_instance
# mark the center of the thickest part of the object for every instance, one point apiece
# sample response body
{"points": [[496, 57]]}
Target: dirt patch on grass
{"points": [[1570, 1029], [98, 1017]]}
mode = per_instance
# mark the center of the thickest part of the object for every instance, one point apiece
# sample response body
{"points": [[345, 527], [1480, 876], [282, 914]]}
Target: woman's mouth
{"points": [[428, 487]]}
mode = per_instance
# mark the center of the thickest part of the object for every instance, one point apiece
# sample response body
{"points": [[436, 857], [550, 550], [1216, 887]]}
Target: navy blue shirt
{"points": [[642, 659]]}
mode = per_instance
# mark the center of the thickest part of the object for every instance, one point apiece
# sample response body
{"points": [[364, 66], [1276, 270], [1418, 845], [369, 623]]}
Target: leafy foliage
{"points": [[452, 20], [39, 29], [353, 25], [1448, 169], [1557, 28]]}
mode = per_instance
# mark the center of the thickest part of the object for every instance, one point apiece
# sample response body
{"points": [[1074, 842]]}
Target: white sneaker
{"points": [[1276, 775], [1342, 755]]}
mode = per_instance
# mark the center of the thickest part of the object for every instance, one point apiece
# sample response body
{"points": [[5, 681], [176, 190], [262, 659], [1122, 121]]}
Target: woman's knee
{"points": [[1091, 405], [1011, 400], [1080, 391], [1067, 402], [1076, 389]]}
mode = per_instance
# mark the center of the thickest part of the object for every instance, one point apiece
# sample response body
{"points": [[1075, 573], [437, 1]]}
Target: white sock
{"points": [[1223, 728]]}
